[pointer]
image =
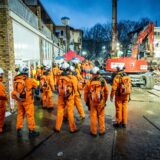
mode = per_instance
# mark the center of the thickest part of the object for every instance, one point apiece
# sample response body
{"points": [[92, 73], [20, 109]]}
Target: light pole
{"points": [[65, 22]]}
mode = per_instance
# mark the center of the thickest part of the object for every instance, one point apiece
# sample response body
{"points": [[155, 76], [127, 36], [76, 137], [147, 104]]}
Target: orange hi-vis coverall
{"points": [[38, 74], [3, 100], [25, 106], [47, 101], [121, 101], [83, 70], [81, 81], [88, 69], [77, 96], [65, 104], [56, 73], [97, 110]]}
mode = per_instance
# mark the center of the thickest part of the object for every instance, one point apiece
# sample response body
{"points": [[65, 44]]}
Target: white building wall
{"points": [[26, 44], [47, 52]]}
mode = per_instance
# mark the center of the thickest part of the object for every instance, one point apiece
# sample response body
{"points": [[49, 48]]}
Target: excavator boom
{"points": [[147, 32]]}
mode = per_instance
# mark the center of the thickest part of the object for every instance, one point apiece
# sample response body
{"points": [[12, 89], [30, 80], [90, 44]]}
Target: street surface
{"points": [[139, 141]]}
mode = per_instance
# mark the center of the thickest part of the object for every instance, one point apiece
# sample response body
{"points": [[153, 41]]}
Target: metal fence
{"points": [[23, 11]]}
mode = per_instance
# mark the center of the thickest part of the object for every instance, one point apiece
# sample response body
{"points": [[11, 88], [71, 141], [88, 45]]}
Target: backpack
{"points": [[96, 91], [44, 83], [65, 87], [124, 87], [19, 87], [3, 95]]}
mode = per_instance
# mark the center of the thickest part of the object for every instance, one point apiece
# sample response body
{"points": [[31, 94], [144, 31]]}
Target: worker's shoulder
{"points": [[29, 80], [66, 77], [2, 85]]}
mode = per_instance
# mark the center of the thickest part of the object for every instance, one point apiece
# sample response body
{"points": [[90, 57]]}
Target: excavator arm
{"points": [[148, 32]]}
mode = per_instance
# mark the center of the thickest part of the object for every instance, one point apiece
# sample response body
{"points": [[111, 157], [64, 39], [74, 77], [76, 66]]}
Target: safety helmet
{"points": [[24, 70], [72, 69], [47, 68], [65, 66], [95, 70], [1, 72]]}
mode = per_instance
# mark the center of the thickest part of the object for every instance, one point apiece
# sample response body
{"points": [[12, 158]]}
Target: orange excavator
{"points": [[135, 64]]}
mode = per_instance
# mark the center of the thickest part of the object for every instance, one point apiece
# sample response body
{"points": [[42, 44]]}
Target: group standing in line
{"points": [[67, 80]]}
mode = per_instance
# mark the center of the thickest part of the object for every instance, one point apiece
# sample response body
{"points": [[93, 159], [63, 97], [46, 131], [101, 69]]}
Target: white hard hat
{"points": [[75, 60], [47, 68], [72, 68], [65, 65], [1, 71], [24, 69], [95, 70]]}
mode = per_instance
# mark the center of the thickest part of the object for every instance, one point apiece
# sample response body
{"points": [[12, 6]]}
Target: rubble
{"points": [[156, 75]]}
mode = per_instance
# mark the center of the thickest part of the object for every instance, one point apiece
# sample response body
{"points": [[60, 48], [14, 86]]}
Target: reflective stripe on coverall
{"points": [[97, 111], [121, 102], [26, 106], [3, 100], [69, 105]]}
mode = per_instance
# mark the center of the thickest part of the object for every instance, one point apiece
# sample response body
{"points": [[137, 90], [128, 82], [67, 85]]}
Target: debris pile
{"points": [[156, 75]]}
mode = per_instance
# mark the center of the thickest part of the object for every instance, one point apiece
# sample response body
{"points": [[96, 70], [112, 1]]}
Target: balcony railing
{"points": [[23, 11], [45, 30]]}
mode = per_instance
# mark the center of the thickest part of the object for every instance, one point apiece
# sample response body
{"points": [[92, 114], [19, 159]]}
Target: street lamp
{"points": [[84, 53], [103, 47], [65, 21]]}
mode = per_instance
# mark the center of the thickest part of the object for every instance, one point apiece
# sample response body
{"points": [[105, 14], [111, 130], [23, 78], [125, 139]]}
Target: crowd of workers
{"points": [[68, 81]]}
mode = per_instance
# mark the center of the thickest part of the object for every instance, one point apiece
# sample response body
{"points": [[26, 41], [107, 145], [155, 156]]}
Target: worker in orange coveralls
{"points": [[47, 87], [81, 81], [95, 96], [121, 88], [23, 93], [77, 97], [38, 72], [55, 71], [83, 69], [65, 100], [3, 100]]}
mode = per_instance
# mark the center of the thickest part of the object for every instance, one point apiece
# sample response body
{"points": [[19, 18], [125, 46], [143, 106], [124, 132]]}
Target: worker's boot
{"points": [[93, 135], [124, 125], [117, 125], [33, 134], [19, 133]]}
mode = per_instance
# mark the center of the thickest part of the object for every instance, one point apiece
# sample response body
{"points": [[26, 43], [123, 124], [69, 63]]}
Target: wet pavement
{"points": [[139, 141]]}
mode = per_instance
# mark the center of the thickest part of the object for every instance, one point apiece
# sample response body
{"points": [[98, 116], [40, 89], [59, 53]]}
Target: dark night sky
{"points": [[86, 13]]}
